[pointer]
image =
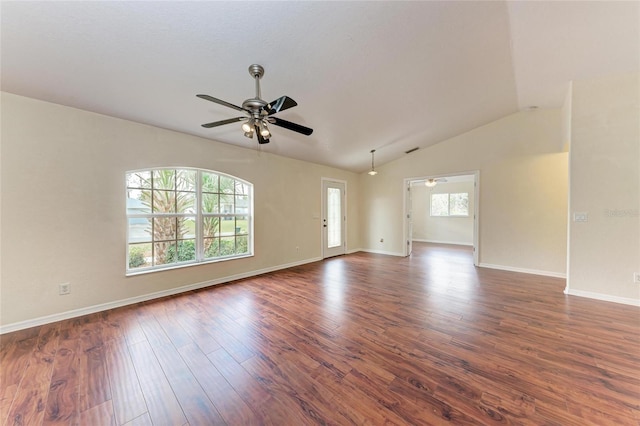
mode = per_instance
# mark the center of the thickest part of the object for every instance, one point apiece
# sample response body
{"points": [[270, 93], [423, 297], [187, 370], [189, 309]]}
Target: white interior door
{"points": [[334, 218]]}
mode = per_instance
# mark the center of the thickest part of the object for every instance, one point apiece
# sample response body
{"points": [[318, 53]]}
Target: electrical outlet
{"points": [[580, 216], [64, 288], [636, 277]]}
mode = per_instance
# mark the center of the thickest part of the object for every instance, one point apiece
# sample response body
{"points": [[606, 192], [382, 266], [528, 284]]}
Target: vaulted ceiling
{"points": [[388, 76]]}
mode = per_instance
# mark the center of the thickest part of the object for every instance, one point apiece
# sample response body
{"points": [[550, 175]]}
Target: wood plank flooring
{"points": [[361, 339]]}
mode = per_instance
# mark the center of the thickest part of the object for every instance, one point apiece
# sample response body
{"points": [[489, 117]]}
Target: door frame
{"points": [[406, 186], [323, 214], [408, 217]]}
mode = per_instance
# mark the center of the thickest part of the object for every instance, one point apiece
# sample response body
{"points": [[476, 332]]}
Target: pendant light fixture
{"points": [[372, 172], [430, 183]]}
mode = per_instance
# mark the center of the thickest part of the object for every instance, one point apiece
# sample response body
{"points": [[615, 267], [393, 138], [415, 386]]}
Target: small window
{"points": [[450, 204], [180, 217]]}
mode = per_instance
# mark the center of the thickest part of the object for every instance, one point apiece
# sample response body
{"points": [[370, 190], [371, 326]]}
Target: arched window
{"points": [[179, 217]]}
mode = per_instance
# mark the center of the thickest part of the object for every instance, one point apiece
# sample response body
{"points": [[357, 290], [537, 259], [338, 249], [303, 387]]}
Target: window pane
{"points": [[185, 202], [186, 180], [183, 251], [459, 204], [334, 218], [209, 182], [242, 225], [139, 230], [210, 203], [162, 252], [164, 202], [139, 255], [241, 188], [164, 179], [138, 201], [227, 185], [139, 180], [211, 247], [164, 228], [242, 244], [210, 226], [187, 227], [439, 204], [242, 204], [227, 246], [226, 204], [227, 226]]}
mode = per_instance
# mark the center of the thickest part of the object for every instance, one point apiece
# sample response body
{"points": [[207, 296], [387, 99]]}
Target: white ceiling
{"points": [[388, 76]]}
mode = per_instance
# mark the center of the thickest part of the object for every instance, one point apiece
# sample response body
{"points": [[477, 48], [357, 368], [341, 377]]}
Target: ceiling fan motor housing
{"points": [[254, 104]]}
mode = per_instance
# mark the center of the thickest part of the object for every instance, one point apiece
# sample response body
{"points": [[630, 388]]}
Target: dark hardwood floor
{"points": [[361, 339]]}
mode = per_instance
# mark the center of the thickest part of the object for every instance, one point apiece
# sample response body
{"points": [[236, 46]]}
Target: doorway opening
{"points": [[442, 209]]}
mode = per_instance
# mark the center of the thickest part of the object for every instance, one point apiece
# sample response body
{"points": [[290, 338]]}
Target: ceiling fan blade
{"points": [[280, 104], [261, 139], [223, 122], [290, 126], [220, 102]]}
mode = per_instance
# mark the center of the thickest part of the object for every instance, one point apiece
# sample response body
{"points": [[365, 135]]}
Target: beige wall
{"points": [[63, 207], [523, 191], [605, 183], [448, 230]]}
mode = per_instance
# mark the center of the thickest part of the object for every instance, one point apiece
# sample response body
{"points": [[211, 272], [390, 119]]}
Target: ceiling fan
{"points": [[259, 113], [433, 182]]}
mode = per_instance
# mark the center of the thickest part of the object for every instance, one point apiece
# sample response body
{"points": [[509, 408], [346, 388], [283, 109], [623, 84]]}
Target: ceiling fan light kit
{"points": [[430, 183], [260, 113], [247, 126]]}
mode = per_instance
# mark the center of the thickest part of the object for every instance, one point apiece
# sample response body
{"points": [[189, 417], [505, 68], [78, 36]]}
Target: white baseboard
{"points": [[389, 253], [8, 328], [603, 297], [523, 270], [457, 243]]}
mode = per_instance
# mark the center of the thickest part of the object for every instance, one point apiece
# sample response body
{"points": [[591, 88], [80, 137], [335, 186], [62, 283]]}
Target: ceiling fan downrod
{"points": [[257, 72]]}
